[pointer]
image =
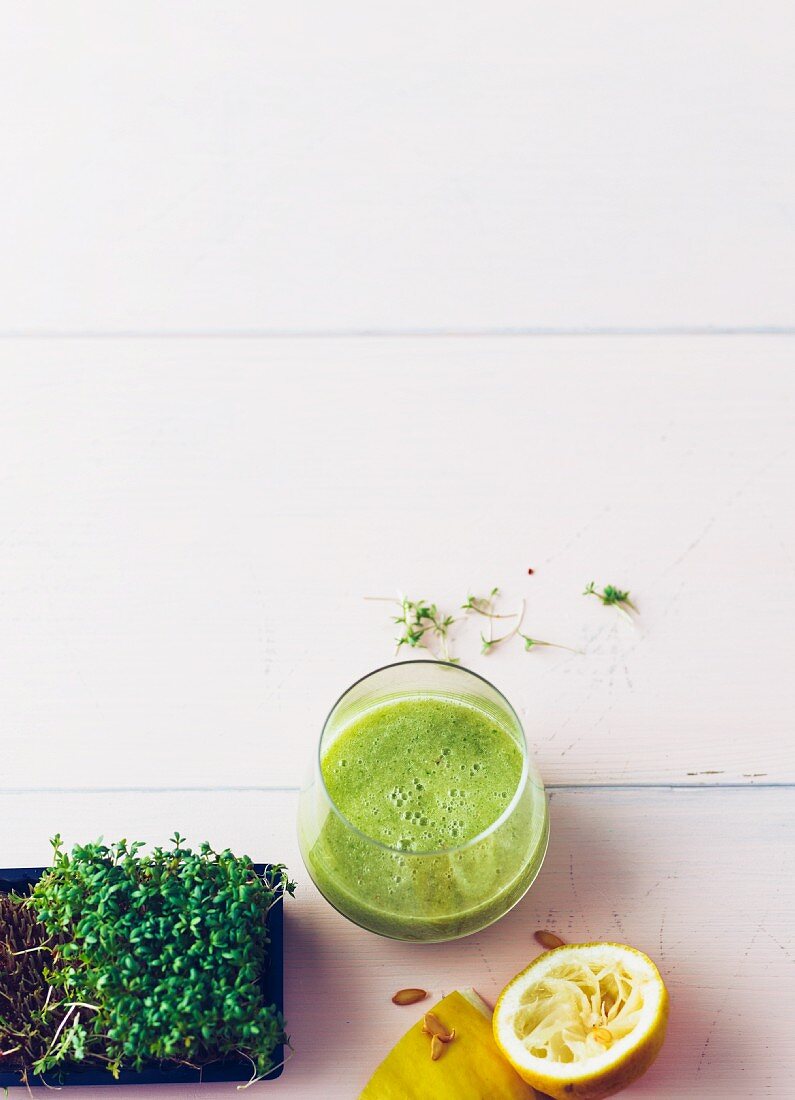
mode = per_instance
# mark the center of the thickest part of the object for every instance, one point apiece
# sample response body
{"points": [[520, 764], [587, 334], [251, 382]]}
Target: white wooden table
{"points": [[190, 527], [278, 290]]}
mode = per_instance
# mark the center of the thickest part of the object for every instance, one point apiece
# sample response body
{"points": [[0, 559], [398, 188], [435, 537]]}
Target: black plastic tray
{"points": [[21, 878]]}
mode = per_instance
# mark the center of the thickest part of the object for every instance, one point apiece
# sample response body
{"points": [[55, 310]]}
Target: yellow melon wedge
{"points": [[470, 1068]]}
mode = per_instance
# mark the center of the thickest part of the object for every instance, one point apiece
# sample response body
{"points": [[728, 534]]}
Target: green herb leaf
{"points": [[611, 596], [423, 626], [160, 955]]}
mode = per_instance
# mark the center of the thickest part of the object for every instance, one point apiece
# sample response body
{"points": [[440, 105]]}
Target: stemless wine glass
{"points": [[423, 896]]}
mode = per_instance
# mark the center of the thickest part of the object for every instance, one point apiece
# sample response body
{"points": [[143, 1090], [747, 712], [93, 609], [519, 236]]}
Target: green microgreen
{"points": [[163, 955], [490, 643], [30, 1014], [531, 643], [422, 624], [484, 605], [611, 596]]}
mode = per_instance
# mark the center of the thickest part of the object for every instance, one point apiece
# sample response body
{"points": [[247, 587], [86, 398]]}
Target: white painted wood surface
{"points": [[189, 527], [702, 880], [314, 166]]}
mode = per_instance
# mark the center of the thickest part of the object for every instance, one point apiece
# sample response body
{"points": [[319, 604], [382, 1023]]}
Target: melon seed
{"points": [[432, 1025], [409, 996], [549, 940]]}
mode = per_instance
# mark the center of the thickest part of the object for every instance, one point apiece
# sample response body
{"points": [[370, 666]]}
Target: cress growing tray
{"points": [[19, 879]]}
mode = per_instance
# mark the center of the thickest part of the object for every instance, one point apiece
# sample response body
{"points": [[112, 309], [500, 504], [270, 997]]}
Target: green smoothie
{"points": [[422, 776]]}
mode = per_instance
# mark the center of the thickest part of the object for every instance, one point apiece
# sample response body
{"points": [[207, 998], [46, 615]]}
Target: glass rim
{"points": [[506, 813]]}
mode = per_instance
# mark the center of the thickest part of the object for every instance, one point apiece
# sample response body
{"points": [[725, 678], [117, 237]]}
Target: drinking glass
{"points": [[423, 896]]}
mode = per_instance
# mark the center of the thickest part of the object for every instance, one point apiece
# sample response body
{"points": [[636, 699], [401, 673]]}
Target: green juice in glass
{"points": [[433, 827]]}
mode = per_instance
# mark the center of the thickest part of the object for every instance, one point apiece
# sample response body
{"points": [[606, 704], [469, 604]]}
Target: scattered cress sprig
{"points": [[484, 605], [611, 596], [530, 643], [422, 622], [425, 626]]}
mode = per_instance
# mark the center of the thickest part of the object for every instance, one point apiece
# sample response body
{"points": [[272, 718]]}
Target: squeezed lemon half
{"points": [[583, 1020]]}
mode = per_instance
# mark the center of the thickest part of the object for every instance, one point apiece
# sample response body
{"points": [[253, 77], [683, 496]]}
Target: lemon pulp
{"points": [[583, 1020]]}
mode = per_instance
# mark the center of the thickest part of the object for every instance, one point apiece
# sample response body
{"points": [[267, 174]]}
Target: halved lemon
{"points": [[583, 1020]]}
